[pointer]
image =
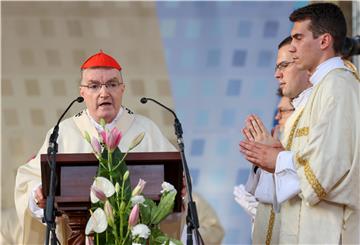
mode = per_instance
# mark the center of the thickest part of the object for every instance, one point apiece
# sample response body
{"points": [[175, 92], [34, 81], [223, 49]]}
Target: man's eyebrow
{"points": [[283, 62], [93, 81], [114, 79], [297, 35]]}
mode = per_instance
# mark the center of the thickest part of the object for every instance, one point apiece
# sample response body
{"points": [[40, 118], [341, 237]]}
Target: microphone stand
{"points": [[192, 220], [50, 211]]}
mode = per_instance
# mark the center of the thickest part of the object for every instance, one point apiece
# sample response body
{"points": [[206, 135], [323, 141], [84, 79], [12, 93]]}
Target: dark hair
{"points": [[284, 42], [279, 92], [325, 18]]}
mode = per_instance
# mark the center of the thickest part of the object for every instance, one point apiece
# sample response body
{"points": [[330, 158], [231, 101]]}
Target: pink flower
{"points": [[103, 135], [134, 215], [139, 188], [98, 193], [101, 189], [89, 240], [96, 146], [111, 139]]}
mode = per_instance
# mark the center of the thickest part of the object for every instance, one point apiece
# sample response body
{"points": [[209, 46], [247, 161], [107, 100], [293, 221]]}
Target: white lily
{"points": [[97, 222], [167, 187], [104, 185]]}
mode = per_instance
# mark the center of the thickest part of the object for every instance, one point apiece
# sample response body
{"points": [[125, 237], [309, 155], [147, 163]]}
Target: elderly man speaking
{"points": [[102, 88]]}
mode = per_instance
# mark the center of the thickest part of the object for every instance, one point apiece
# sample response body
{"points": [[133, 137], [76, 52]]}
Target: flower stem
{"points": [[127, 234], [122, 211], [122, 159], [109, 164]]}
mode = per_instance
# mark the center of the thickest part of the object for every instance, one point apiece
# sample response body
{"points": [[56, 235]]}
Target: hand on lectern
{"points": [[39, 198]]}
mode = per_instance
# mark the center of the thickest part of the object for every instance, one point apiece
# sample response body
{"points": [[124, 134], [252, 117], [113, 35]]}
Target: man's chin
{"points": [[108, 117]]}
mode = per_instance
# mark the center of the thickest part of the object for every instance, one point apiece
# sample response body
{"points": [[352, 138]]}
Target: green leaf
{"points": [[145, 210], [165, 239], [164, 208]]}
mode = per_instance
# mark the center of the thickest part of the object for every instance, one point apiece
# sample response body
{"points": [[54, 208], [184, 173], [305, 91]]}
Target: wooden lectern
{"points": [[76, 172]]}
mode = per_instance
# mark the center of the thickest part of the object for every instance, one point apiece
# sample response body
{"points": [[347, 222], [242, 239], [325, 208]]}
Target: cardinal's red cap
{"points": [[101, 60]]}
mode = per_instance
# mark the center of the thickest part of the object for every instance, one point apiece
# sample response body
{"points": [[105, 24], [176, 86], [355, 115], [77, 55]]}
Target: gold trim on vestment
{"points": [[270, 227], [352, 67], [272, 214], [292, 132], [311, 177], [302, 132]]}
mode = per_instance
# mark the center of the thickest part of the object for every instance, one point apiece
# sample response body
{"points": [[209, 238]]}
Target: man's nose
{"points": [[278, 74], [104, 90], [292, 48], [277, 116]]}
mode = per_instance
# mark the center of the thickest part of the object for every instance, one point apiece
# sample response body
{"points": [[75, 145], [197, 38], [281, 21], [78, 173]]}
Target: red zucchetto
{"points": [[101, 60]]}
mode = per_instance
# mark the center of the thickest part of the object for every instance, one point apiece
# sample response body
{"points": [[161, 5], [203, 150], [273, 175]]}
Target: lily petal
{"points": [[105, 186], [97, 222]]}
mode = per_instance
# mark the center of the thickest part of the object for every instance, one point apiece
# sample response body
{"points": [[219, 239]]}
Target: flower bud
{"points": [[126, 175], [113, 139], [89, 240], [109, 213], [134, 215], [96, 146], [87, 137], [117, 188], [122, 206], [139, 188], [137, 141], [102, 122]]}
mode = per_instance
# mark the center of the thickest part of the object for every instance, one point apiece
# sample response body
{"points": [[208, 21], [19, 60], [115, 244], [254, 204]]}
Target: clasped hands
{"points": [[260, 147]]}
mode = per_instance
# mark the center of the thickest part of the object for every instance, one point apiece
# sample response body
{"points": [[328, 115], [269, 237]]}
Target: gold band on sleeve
{"points": [[310, 176]]}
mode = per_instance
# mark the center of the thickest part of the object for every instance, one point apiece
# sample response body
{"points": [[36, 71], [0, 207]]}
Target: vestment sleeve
{"points": [[328, 162], [27, 178]]}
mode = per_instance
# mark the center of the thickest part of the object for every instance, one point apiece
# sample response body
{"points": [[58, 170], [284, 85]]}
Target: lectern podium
{"points": [[76, 172]]}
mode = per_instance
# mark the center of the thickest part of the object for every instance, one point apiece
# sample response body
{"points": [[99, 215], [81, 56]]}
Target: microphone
{"points": [[50, 211], [55, 132], [192, 216], [144, 100]]}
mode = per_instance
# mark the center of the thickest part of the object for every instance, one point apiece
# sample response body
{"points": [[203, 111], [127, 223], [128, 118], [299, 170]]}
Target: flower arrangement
{"points": [[119, 215]]}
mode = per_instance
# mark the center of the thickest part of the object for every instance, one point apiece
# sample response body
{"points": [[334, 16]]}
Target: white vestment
{"points": [[71, 140], [326, 147], [267, 221]]}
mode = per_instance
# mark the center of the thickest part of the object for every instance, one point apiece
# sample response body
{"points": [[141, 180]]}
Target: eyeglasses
{"points": [[282, 65], [96, 87], [282, 111]]}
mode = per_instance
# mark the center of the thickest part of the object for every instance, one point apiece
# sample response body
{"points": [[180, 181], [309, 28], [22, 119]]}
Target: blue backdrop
{"points": [[221, 58]]}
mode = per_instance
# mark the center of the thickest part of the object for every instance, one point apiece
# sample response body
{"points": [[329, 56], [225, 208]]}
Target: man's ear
{"points": [[81, 92], [326, 41]]}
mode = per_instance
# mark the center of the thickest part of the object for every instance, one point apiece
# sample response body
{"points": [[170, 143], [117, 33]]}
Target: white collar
{"points": [[324, 68], [108, 126], [302, 98]]}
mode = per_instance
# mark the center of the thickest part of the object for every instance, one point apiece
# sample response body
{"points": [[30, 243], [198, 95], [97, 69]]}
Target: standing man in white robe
{"points": [[102, 88], [294, 86], [324, 154]]}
